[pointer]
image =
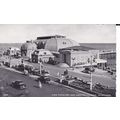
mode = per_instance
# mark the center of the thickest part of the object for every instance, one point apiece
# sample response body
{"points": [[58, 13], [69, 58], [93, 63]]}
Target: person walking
{"points": [[58, 74], [66, 72], [26, 72], [39, 84]]}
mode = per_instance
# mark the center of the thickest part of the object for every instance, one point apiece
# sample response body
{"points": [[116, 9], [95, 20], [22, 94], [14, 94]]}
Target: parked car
{"points": [[45, 73], [68, 80], [35, 71], [89, 70], [7, 64], [44, 77], [29, 68], [18, 84], [111, 70], [20, 67]]}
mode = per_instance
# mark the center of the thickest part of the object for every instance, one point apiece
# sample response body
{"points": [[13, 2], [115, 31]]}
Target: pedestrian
{"points": [[22, 61], [25, 72], [58, 74], [61, 78], [66, 72], [39, 84]]}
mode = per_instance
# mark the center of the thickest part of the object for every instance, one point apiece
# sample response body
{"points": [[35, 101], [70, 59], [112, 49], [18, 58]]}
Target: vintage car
{"points": [[44, 77], [18, 84], [7, 64], [35, 71], [68, 80], [89, 70], [20, 67], [29, 68], [111, 70]]}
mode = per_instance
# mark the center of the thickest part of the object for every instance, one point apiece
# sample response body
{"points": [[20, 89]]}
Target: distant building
{"points": [[110, 56], [42, 54], [28, 48], [54, 43], [13, 51]]}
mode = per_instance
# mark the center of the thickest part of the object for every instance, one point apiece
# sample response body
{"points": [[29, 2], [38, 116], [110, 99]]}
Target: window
{"points": [[45, 53], [56, 55], [64, 42]]}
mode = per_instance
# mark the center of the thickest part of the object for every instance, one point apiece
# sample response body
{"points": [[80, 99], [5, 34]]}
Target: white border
{"points": [[64, 12]]}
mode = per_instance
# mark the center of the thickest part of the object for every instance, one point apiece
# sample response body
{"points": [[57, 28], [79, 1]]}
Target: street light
{"points": [[10, 60], [91, 75], [40, 62], [73, 58]]}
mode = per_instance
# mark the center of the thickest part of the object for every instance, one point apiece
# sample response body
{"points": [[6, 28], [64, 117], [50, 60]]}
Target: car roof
{"points": [[18, 81]]}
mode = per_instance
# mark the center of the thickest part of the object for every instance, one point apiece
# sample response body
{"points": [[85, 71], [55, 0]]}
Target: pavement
{"points": [[7, 75], [101, 78], [98, 72]]}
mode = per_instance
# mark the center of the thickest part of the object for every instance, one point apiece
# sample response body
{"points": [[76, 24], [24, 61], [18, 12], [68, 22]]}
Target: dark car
{"points": [[20, 67], [35, 71], [89, 70], [111, 70], [68, 80], [44, 77], [7, 64], [29, 68], [18, 84]]}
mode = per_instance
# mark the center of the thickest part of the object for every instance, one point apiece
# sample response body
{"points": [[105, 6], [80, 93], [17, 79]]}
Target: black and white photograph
{"points": [[57, 60]]}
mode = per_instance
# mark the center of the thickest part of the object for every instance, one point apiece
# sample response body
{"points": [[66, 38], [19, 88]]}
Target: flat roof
{"points": [[49, 37]]}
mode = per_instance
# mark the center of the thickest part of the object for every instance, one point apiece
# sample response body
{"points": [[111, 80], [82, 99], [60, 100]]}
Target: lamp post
{"points": [[91, 75], [40, 62], [73, 58], [10, 60]]}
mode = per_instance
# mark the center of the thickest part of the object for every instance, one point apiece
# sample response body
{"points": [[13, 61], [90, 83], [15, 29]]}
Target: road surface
{"points": [[7, 76], [102, 79]]}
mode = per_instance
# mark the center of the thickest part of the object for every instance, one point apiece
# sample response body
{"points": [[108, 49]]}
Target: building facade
{"points": [[76, 58], [110, 57], [13, 51], [41, 54], [28, 48], [80, 56]]}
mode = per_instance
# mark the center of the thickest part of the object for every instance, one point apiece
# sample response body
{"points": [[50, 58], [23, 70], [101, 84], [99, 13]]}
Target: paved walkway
{"points": [[102, 79], [98, 72]]}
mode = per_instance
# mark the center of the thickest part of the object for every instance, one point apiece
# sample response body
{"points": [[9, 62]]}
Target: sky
{"points": [[82, 33]]}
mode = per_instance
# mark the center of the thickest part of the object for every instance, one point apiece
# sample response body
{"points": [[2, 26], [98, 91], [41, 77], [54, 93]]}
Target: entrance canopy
{"points": [[101, 61]]}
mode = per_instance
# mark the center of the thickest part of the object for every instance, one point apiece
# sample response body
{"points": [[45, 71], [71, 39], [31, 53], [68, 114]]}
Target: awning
{"points": [[101, 61]]}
